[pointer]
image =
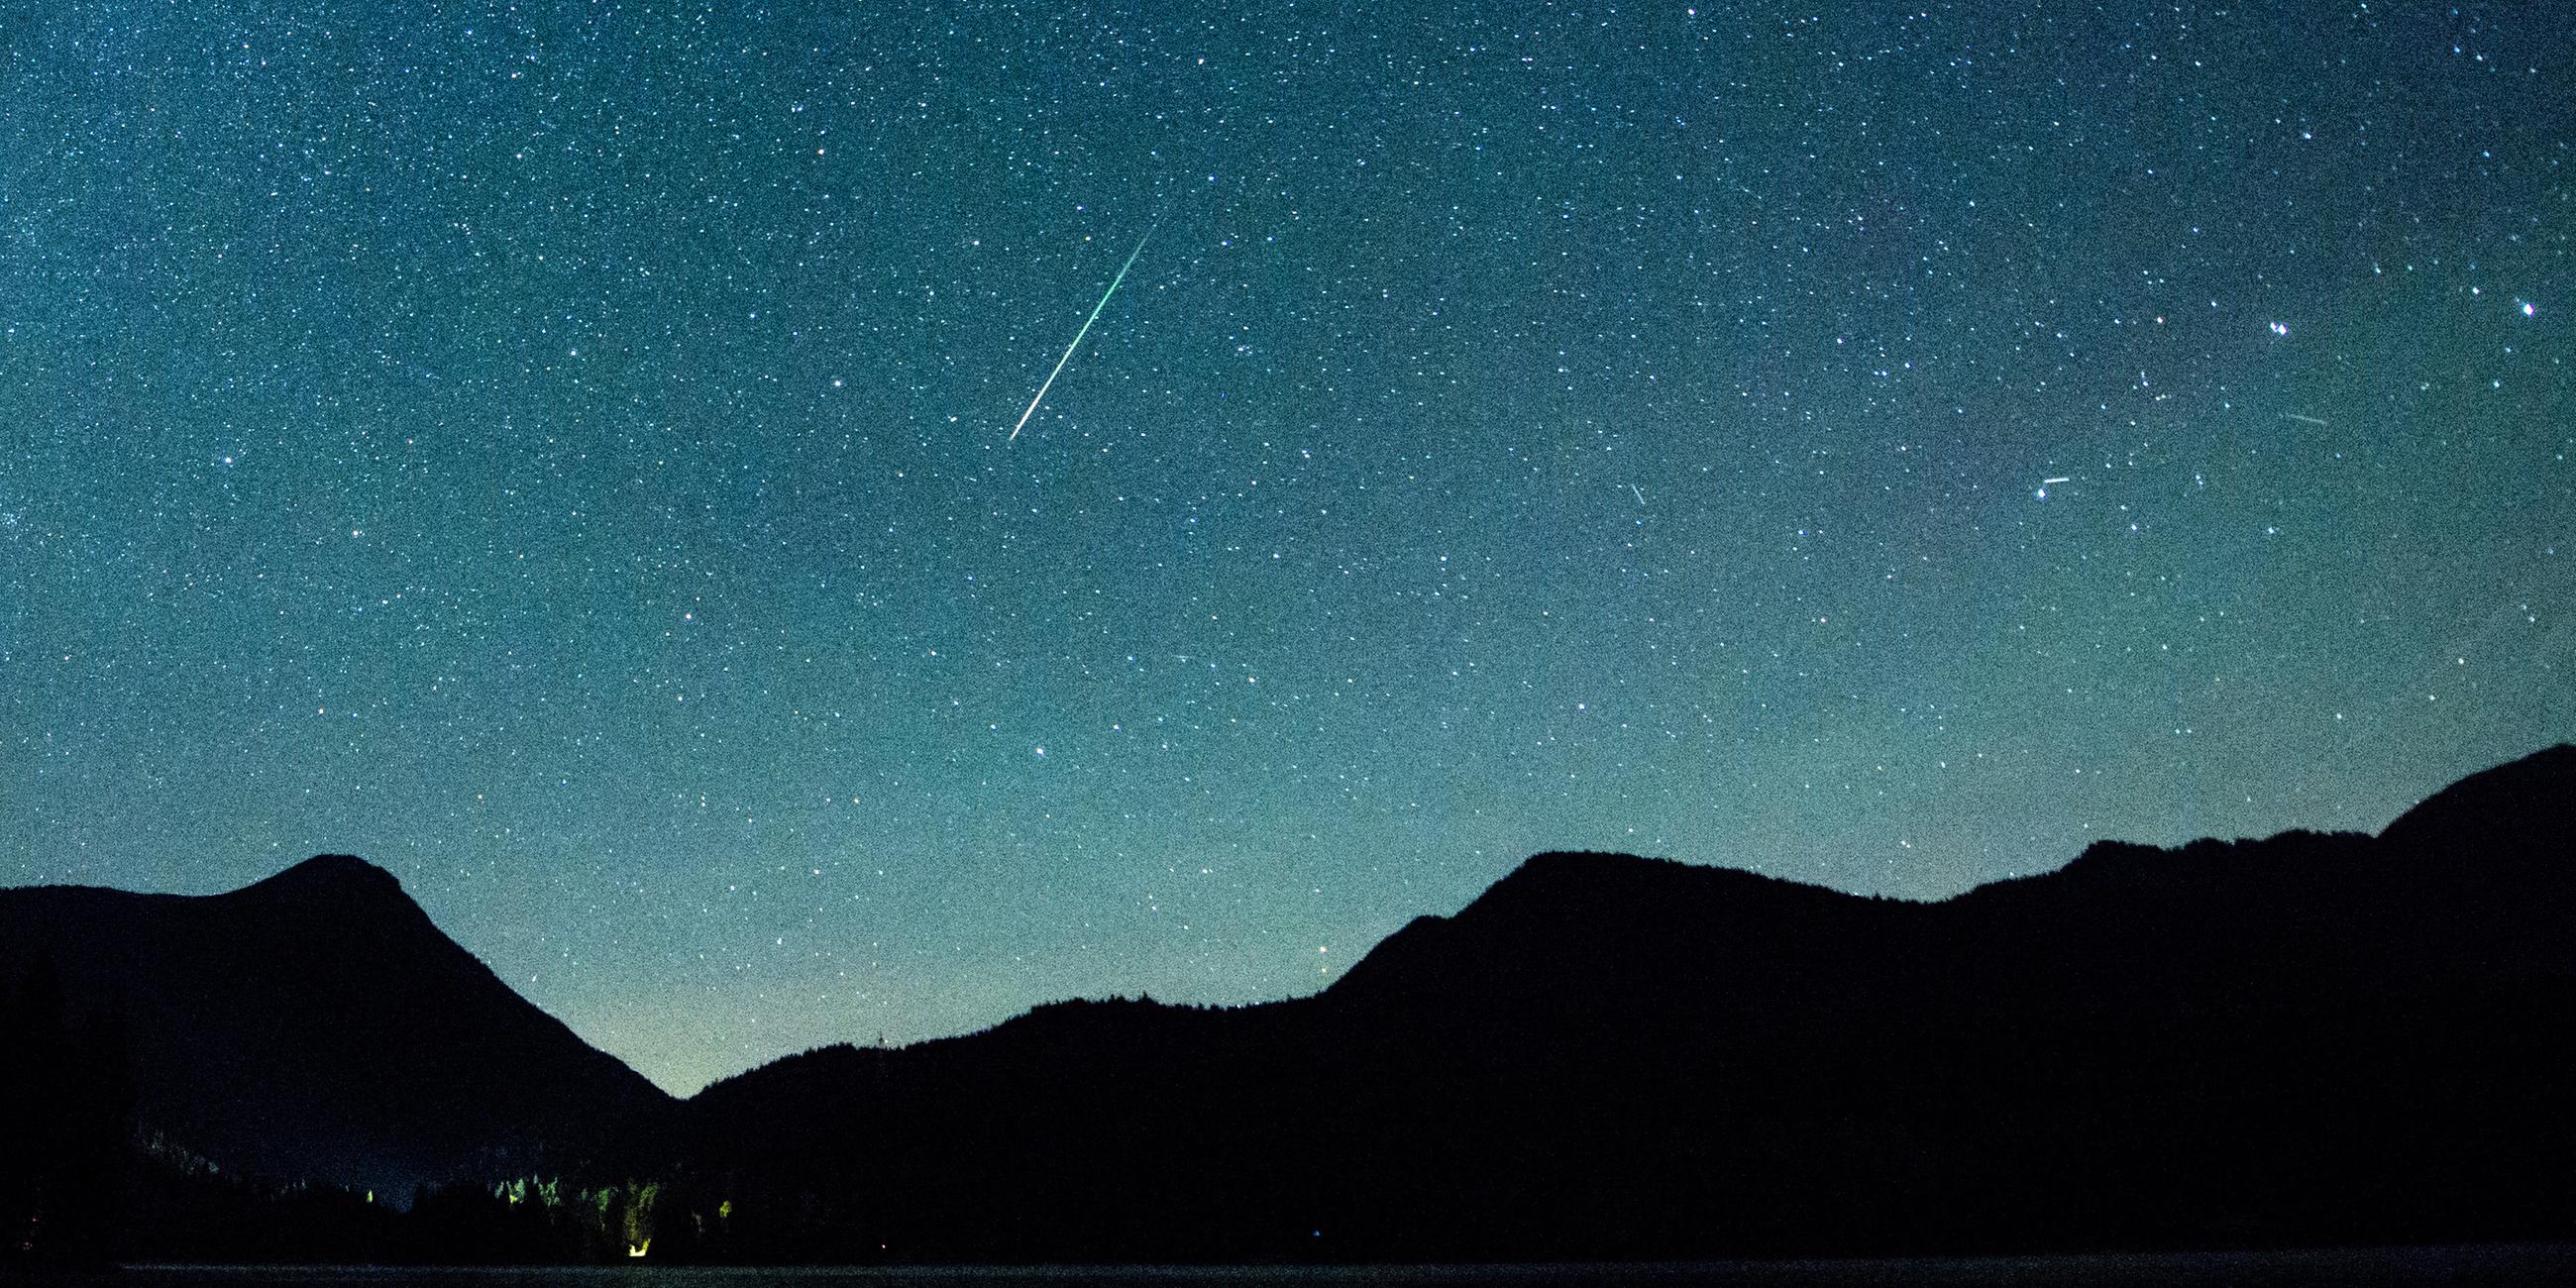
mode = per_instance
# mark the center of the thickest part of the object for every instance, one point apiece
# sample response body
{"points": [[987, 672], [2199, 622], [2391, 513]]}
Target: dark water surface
{"points": [[2367, 1268]]}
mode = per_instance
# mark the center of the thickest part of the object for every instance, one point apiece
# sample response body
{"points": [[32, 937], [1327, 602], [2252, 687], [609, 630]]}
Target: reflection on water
{"points": [[2451, 1267]]}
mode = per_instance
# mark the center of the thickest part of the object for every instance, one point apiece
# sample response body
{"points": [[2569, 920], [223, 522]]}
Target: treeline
{"points": [[82, 1184], [65, 1098], [185, 1212]]}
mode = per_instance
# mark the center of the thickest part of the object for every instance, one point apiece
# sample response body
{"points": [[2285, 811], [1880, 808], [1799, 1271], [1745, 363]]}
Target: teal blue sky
{"points": [[560, 451]]}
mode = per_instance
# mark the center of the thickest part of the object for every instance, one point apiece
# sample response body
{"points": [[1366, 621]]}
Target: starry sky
{"points": [[561, 451]]}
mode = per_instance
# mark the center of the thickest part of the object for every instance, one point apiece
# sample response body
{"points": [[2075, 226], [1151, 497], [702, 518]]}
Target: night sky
{"points": [[561, 451]]}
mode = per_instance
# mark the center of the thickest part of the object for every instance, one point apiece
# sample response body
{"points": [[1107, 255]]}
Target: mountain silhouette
{"points": [[2304, 1039], [316, 1026]]}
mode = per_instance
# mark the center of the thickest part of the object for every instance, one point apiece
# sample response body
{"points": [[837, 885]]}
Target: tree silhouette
{"points": [[65, 1100]]}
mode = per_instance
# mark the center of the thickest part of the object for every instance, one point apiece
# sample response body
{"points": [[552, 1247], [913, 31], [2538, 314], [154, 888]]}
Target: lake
{"points": [[2363, 1268]]}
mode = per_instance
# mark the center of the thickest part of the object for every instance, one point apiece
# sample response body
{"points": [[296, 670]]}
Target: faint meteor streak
{"points": [[1086, 330], [2059, 479], [1641, 493], [2304, 420]]}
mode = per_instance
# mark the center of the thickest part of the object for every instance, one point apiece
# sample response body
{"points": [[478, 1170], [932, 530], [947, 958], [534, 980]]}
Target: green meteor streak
{"points": [[1086, 330]]}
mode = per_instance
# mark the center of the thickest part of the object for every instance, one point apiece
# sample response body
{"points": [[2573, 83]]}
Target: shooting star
{"points": [[2304, 420], [1641, 493], [1086, 330]]}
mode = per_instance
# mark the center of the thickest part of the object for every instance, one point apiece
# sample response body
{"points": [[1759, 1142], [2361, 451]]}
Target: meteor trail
{"points": [[2304, 420], [1086, 330]]}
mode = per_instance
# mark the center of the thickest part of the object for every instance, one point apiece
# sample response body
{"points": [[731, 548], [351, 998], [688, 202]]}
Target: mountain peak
{"points": [[1563, 884], [1566, 884], [1555, 866], [318, 1025], [341, 882]]}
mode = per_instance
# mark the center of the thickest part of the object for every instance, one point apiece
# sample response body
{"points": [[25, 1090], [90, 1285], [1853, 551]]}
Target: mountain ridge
{"points": [[1612, 1055], [2522, 783], [2306, 1037]]}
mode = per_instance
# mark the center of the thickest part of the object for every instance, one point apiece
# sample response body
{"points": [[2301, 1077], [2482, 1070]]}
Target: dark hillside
{"points": [[316, 1025], [2309, 1038]]}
